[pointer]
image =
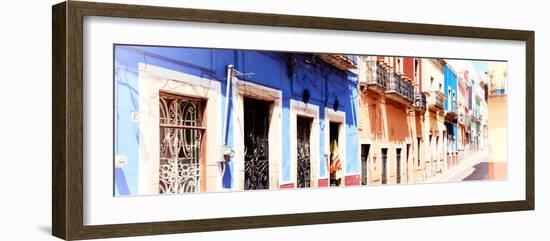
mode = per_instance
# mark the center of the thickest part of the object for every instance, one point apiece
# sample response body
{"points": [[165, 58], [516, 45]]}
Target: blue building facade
{"points": [[290, 101], [451, 111]]}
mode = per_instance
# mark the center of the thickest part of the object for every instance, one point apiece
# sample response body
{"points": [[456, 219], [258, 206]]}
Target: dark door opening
{"points": [[365, 148], [303, 127], [398, 165], [336, 171], [256, 142], [418, 147], [407, 155], [430, 146], [438, 155], [384, 165], [437, 148]]}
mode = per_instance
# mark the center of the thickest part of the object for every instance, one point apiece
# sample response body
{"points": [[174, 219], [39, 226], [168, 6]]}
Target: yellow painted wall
{"points": [[497, 112], [497, 128]]}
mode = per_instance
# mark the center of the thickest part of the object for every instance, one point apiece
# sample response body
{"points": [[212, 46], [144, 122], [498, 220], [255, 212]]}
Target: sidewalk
{"points": [[460, 171]]}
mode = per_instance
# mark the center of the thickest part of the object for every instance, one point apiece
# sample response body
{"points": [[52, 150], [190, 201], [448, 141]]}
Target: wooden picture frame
{"points": [[67, 119]]}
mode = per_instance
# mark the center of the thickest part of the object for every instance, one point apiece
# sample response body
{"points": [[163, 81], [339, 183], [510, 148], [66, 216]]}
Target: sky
{"points": [[481, 66]]}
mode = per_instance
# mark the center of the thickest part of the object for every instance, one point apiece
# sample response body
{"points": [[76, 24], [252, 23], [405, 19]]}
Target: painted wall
{"points": [[385, 123], [498, 115], [451, 94], [450, 86], [498, 122], [498, 74], [327, 86], [290, 74], [408, 67], [372, 131], [432, 76], [433, 81]]}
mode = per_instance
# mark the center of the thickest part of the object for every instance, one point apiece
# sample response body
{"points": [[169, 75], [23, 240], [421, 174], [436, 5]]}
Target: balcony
{"points": [[436, 100], [464, 120], [475, 116], [497, 92], [341, 61], [452, 109], [483, 119], [420, 102], [376, 76], [400, 90], [497, 88]]}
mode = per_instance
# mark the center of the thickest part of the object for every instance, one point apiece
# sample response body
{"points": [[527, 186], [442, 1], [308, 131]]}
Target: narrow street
{"points": [[476, 166]]}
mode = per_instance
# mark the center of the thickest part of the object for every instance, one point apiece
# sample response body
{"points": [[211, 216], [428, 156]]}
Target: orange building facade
{"points": [[391, 123], [402, 130]]}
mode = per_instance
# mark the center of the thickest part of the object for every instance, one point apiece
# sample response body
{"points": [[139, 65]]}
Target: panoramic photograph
{"points": [[191, 120]]}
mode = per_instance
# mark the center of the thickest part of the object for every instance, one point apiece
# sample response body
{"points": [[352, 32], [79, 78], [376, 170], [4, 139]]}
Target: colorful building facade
{"points": [[197, 120], [387, 119], [451, 116], [464, 111], [497, 103], [433, 85], [473, 107], [204, 120]]}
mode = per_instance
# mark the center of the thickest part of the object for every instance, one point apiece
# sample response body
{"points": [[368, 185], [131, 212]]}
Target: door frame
{"points": [[248, 89], [299, 108], [369, 159], [338, 117]]}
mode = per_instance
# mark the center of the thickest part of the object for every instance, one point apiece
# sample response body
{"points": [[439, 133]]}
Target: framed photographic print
{"points": [[170, 120]]}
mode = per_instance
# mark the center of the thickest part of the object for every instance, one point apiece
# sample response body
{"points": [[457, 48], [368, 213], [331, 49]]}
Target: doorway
{"points": [[303, 128], [336, 168], [418, 148], [256, 142], [384, 160], [365, 148], [398, 165]]}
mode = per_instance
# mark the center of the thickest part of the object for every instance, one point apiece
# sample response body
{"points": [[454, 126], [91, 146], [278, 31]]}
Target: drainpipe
{"points": [[226, 151], [228, 84]]}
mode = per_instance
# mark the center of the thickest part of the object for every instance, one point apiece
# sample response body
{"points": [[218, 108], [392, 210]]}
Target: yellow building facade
{"points": [[497, 104], [433, 82]]}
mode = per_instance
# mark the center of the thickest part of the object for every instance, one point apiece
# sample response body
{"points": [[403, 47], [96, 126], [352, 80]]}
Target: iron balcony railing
{"points": [[453, 107], [498, 92], [475, 116], [420, 100], [497, 88], [437, 99], [440, 101], [402, 87], [376, 74], [464, 119]]}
